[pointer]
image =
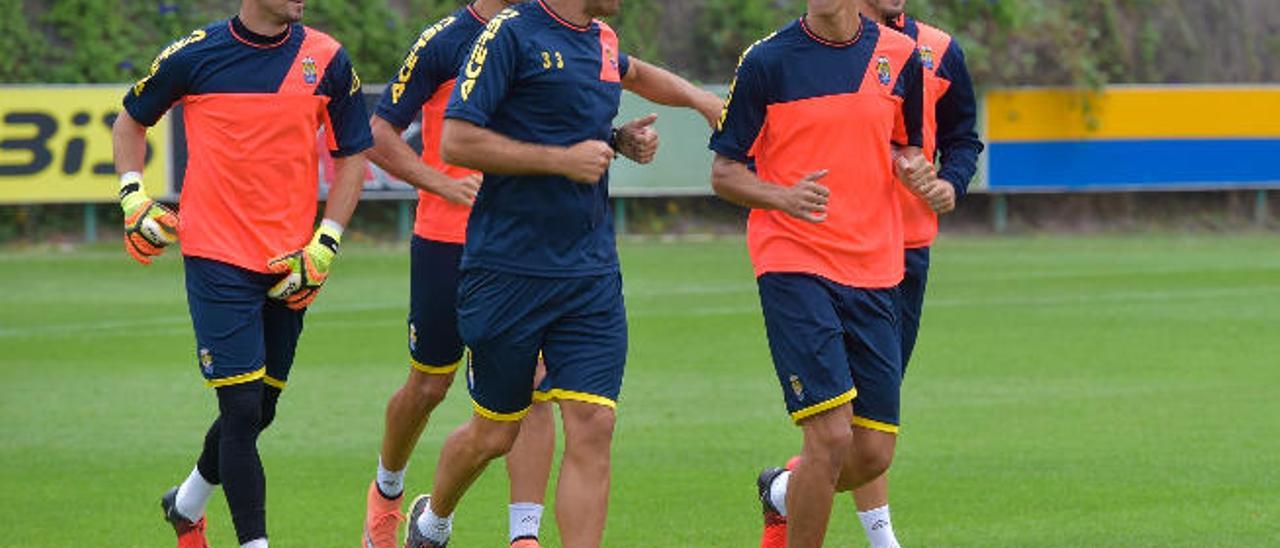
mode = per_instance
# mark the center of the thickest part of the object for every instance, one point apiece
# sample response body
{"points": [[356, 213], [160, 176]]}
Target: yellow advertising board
{"points": [[55, 145]]}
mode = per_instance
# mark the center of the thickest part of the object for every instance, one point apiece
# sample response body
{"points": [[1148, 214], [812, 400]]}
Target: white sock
{"points": [[778, 492], [525, 518], [391, 484], [255, 543], [193, 495], [435, 528], [879, 527]]}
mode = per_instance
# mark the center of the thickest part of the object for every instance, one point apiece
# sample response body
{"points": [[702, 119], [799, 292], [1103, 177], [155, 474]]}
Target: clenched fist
{"points": [[638, 140], [914, 171], [586, 162], [807, 199]]}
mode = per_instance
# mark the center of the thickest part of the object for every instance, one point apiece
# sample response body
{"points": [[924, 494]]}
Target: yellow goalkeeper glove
{"points": [[149, 227], [306, 269]]}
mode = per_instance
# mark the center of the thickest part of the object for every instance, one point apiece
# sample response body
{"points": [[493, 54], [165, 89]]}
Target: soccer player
{"points": [[817, 107], [424, 82], [256, 90], [950, 115], [532, 108]]}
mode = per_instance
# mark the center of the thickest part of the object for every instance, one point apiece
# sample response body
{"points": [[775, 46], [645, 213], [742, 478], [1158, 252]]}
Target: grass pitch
{"points": [[1066, 391]]}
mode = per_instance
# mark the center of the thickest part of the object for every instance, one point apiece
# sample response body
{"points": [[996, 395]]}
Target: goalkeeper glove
{"points": [[306, 269], [148, 226]]}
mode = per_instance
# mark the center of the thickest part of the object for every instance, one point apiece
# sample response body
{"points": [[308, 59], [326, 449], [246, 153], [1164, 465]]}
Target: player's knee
{"points": [[270, 397], [492, 439], [873, 462], [829, 439], [588, 427], [240, 410], [429, 390]]}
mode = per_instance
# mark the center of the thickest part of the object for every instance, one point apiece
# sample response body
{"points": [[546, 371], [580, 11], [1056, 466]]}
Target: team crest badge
{"points": [[797, 387], [206, 360], [882, 69], [926, 57], [309, 72], [413, 337]]}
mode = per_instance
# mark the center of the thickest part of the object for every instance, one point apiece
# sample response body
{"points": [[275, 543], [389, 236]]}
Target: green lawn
{"points": [[1067, 391]]}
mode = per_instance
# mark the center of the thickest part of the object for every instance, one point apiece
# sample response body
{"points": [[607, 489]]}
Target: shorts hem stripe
{"points": [[872, 424], [238, 379], [541, 396], [570, 395], [825, 406], [273, 382], [436, 369], [499, 417]]}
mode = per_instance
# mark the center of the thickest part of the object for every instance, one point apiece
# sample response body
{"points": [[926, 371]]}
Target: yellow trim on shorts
{"points": [[273, 382], [541, 396], [238, 379], [499, 417], [825, 406], [875, 425], [437, 369], [570, 395]]}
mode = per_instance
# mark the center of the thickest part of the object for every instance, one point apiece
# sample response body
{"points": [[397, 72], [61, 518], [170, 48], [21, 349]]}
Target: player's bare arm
{"points": [[666, 88], [391, 153], [344, 193], [469, 145], [130, 140], [805, 200]]}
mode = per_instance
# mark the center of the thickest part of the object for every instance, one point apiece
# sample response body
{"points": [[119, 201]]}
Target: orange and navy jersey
{"points": [[254, 107], [795, 107], [424, 82], [950, 117]]}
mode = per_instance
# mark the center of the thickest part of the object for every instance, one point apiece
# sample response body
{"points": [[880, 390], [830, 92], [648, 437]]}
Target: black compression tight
{"points": [[208, 462], [243, 413]]}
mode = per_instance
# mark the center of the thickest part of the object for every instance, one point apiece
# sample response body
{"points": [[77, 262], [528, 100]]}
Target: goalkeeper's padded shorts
{"points": [[241, 334]]}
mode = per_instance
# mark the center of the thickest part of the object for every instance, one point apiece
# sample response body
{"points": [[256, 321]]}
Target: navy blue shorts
{"points": [[579, 325], [833, 344], [911, 300], [434, 345], [241, 335]]}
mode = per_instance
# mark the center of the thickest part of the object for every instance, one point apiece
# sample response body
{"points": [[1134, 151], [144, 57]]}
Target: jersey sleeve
{"points": [[164, 85], [744, 111], [957, 112], [424, 70], [348, 119], [909, 130], [490, 69], [624, 64]]}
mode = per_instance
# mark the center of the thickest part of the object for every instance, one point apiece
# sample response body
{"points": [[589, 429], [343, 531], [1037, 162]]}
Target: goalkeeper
{"points": [[256, 91]]}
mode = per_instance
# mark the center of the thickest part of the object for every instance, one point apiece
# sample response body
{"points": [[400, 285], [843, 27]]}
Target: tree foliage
{"points": [[1008, 42]]}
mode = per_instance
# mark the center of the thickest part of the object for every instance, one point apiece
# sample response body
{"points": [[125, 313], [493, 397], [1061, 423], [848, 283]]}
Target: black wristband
{"points": [[129, 189], [328, 241]]}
